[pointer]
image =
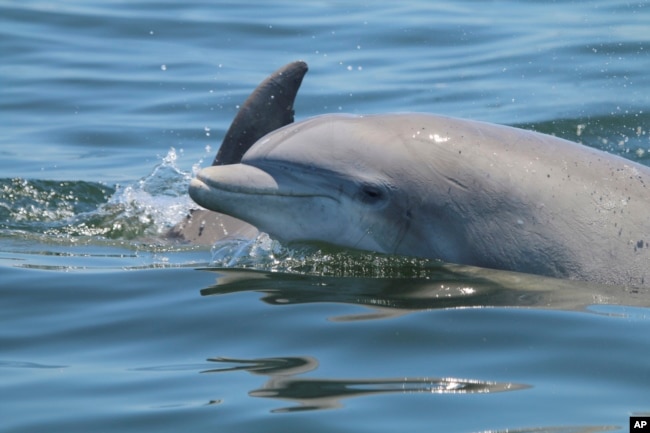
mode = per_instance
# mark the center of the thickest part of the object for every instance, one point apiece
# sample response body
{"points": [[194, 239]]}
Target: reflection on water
{"points": [[26, 364], [317, 394], [444, 286]]}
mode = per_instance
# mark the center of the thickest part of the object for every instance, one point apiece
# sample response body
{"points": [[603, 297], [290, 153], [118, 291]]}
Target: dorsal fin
{"points": [[268, 108]]}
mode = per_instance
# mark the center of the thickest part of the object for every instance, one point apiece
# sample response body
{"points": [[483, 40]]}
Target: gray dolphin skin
{"points": [[431, 186]]}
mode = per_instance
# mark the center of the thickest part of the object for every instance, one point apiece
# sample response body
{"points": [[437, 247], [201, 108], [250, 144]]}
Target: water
{"points": [[108, 108]]}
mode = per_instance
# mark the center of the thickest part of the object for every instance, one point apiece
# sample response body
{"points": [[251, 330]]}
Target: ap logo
{"points": [[639, 424]]}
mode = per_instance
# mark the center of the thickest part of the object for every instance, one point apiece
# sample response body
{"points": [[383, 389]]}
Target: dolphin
{"points": [[431, 186]]}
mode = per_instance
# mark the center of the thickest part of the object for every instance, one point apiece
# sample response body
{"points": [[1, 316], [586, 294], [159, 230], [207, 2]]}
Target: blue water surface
{"points": [[107, 108]]}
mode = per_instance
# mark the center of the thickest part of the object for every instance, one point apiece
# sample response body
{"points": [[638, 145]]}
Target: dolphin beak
{"points": [[240, 178], [265, 197], [216, 187]]}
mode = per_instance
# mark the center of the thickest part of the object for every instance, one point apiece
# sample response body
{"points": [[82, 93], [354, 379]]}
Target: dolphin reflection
{"points": [[318, 394], [432, 286]]}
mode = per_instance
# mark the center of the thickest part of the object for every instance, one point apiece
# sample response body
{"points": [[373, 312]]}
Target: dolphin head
{"points": [[337, 179]]}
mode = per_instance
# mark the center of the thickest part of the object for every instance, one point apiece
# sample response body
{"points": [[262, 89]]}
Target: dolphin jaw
{"points": [[254, 195], [237, 178], [245, 179]]}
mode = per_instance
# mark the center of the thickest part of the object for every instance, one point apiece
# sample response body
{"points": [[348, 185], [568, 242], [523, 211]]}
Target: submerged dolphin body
{"points": [[461, 191]]}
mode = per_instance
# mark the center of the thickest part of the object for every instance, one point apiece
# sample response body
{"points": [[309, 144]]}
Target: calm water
{"points": [[108, 107]]}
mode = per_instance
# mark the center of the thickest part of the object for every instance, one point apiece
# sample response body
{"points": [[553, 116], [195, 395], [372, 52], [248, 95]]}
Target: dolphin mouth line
{"points": [[268, 179], [204, 181]]}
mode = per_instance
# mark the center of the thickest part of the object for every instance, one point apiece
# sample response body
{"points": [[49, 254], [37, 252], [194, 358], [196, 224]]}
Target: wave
{"points": [[145, 209]]}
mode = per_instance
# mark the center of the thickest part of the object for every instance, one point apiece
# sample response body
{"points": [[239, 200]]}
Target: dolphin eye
{"points": [[371, 194]]}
